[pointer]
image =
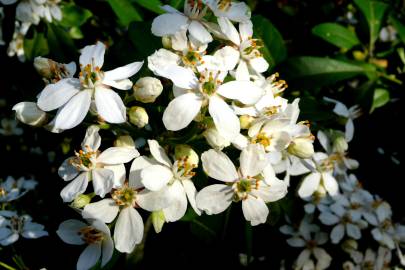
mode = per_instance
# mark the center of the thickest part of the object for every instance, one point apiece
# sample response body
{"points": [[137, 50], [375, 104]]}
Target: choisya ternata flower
{"points": [[234, 11]]}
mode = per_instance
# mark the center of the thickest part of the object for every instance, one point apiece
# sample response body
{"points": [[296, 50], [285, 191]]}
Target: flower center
{"points": [[90, 75], [91, 235], [84, 159], [192, 58], [243, 187], [17, 223], [263, 139], [125, 196], [194, 9], [182, 169], [3, 192], [224, 5], [250, 48], [210, 83]]}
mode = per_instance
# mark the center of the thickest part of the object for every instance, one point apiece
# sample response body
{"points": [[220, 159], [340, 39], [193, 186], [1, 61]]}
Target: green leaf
{"points": [[400, 27], [308, 71], [152, 5], [336, 34], [36, 46], [125, 11], [61, 44], [74, 15], [380, 98], [177, 4], [142, 38], [374, 12], [274, 49]]}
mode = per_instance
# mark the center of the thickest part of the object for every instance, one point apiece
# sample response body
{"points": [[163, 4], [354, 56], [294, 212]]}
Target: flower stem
{"points": [[6, 266]]}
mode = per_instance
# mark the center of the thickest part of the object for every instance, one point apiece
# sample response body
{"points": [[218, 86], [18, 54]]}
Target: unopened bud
{"points": [[29, 113], [167, 42], [124, 141], [82, 200], [138, 116], [246, 121], [158, 220], [185, 151], [147, 89], [340, 145], [215, 140], [302, 147], [359, 55]]}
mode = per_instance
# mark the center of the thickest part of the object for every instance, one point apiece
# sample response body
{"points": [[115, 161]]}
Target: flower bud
{"points": [[246, 121], [29, 113], [215, 140], [138, 116], [302, 147], [185, 151], [124, 141], [167, 42], [158, 220], [340, 145], [82, 200], [147, 89]]}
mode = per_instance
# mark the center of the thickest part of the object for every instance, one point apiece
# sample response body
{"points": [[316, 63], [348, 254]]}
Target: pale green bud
{"points": [[45, 67], [301, 147], [350, 245], [138, 116], [340, 145], [167, 42], [246, 121], [185, 151], [147, 89], [29, 113], [158, 220], [214, 139], [82, 200], [124, 141]]}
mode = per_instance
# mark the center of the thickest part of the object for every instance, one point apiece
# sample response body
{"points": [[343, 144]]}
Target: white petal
{"points": [[246, 92], [226, 122], [242, 71], [74, 188], [110, 106], [191, 192], [159, 153], [259, 64], [218, 166], [180, 76], [12, 238], [246, 29], [135, 171], [324, 141], [161, 59], [253, 160], [92, 139], [107, 250], [349, 133], [324, 259], [181, 111], [353, 231], [122, 73], [55, 95], [330, 184], [273, 192], [179, 41], [89, 257], [105, 210], [214, 199], [124, 84], [103, 181], [296, 242], [66, 171], [255, 210], [120, 174], [68, 231], [337, 233], [74, 111], [229, 30], [155, 177], [117, 155], [303, 259], [169, 24], [198, 31], [128, 230], [154, 200], [178, 206], [328, 218], [93, 55], [228, 57], [309, 185]]}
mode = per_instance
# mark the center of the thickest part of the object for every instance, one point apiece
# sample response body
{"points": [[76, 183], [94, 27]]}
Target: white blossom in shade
{"points": [[129, 227], [175, 177], [95, 235], [29, 113], [16, 45], [251, 184], [310, 237], [234, 11], [105, 169], [349, 113], [73, 96], [321, 179], [12, 226], [33, 10], [9, 127], [52, 71], [191, 20], [207, 90], [384, 230], [244, 52], [372, 260], [12, 189]]}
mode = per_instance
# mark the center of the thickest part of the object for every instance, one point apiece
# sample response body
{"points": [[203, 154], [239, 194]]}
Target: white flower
{"points": [[244, 51], [12, 226], [9, 127], [250, 184], [97, 237], [16, 45], [11, 189], [234, 11], [33, 10], [106, 169], [73, 96], [207, 90], [175, 21], [52, 71], [370, 260], [176, 177], [29, 113], [129, 227]]}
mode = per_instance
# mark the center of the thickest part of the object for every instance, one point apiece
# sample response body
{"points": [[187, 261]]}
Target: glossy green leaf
{"points": [[400, 27], [380, 98], [142, 38], [36, 46], [125, 11], [374, 12], [337, 35], [274, 49], [152, 5], [178, 4], [74, 15], [61, 44], [308, 71]]}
